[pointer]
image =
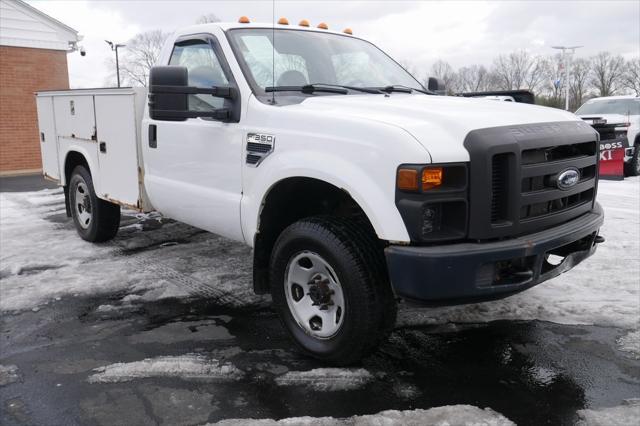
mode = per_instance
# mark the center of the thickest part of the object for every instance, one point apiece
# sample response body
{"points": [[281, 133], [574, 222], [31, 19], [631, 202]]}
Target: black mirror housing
{"points": [[168, 76], [169, 92], [437, 86]]}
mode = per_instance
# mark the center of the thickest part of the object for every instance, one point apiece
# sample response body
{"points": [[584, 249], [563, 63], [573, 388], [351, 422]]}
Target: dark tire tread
{"points": [[365, 252], [106, 215]]}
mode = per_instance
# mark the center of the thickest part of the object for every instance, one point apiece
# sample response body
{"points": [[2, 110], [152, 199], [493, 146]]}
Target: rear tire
{"points": [[343, 264], [632, 168], [96, 220]]}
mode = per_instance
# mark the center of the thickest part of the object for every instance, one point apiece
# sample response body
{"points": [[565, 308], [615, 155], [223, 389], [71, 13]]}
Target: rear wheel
{"points": [[96, 220], [330, 287]]}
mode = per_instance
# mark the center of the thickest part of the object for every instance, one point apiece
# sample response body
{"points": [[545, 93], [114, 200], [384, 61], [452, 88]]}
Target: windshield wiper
{"points": [[403, 89], [307, 88]]}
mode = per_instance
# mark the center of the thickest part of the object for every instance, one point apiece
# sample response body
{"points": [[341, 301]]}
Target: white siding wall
{"points": [[24, 26]]}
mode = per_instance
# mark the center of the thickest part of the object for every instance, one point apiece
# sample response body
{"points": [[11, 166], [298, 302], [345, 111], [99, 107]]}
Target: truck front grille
{"points": [[540, 196], [513, 184]]}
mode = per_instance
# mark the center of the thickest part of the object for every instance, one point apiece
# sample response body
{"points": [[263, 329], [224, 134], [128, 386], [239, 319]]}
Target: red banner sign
{"points": [[611, 161]]}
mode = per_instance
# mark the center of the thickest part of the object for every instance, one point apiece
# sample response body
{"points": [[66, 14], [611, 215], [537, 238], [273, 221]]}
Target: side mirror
{"points": [[169, 92], [437, 86]]}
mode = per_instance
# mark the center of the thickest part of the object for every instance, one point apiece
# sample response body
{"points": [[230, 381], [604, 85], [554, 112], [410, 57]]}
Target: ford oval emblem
{"points": [[568, 178]]}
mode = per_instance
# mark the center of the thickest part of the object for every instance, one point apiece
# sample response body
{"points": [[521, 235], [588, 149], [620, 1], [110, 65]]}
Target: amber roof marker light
{"points": [[347, 31], [323, 26], [244, 20], [283, 21], [303, 23]]}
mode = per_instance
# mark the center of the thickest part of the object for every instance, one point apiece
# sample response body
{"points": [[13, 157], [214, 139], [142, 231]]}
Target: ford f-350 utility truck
{"points": [[354, 185]]}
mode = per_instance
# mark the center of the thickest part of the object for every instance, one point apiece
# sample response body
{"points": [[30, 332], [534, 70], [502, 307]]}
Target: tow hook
{"points": [[599, 239]]}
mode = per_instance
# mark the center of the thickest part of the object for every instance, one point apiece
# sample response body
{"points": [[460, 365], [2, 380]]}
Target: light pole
{"points": [[567, 65], [115, 47]]}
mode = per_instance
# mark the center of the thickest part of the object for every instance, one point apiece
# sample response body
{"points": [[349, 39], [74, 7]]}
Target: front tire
{"points": [[330, 287], [632, 168], [96, 220]]}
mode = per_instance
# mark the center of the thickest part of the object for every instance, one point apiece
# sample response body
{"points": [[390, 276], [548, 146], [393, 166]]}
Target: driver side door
{"points": [[193, 166]]}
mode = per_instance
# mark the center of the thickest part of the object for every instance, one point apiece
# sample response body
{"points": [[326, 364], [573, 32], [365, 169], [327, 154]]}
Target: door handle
{"points": [[153, 136], [103, 147]]}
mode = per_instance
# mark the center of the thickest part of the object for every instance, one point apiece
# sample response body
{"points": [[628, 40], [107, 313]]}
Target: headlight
{"points": [[432, 200]]}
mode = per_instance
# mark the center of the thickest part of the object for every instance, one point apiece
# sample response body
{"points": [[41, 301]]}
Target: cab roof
{"points": [[225, 26]]}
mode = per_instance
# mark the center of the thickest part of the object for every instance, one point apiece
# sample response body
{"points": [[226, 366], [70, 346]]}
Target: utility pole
{"points": [[567, 65], [115, 47]]}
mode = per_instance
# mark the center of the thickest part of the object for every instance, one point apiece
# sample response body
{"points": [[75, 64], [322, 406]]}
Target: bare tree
{"points": [[519, 70], [556, 82], [474, 78], [138, 56], [608, 71], [444, 71], [207, 19], [631, 78], [580, 74]]}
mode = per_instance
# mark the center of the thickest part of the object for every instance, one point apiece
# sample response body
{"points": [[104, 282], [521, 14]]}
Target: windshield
{"points": [[308, 57], [611, 106]]}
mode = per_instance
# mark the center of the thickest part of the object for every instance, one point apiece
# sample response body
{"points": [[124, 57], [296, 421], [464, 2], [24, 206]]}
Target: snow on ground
{"points": [[627, 414], [459, 415], [42, 261], [189, 367], [327, 379], [603, 290], [8, 374], [630, 343]]}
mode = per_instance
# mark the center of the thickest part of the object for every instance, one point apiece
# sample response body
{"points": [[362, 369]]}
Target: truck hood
{"points": [[439, 123]]}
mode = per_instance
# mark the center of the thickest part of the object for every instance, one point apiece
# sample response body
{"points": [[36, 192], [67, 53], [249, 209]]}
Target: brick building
{"points": [[33, 56]]}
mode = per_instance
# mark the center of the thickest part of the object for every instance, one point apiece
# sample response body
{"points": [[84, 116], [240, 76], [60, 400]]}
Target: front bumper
{"points": [[472, 272]]}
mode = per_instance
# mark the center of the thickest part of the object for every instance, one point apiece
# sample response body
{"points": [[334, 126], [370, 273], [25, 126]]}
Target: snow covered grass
{"points": [[458, 415], [327, 379], [603, 290], [189, 367]]}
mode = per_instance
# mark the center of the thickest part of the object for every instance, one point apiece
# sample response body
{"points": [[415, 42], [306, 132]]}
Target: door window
{"points": [[204, 70]]}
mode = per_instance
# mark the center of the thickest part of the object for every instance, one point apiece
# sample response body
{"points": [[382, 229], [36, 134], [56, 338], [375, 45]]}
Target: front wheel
{"points": [[96, 220], [632, 168], [329, 285]]}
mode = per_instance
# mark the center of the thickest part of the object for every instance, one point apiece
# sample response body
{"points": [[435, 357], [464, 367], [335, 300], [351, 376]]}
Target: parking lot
{"points": [[160, 326]]}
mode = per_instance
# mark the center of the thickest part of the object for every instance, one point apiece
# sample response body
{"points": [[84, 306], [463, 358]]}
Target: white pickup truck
{"points": [[355, 186]]}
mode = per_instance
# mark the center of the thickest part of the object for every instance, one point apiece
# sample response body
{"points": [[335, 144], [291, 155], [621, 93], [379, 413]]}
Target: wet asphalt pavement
{"points": [[532, 372]]}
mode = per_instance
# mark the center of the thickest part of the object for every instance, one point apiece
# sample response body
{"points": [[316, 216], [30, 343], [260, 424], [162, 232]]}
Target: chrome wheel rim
{"points": [[82, 205], [314, 295]]}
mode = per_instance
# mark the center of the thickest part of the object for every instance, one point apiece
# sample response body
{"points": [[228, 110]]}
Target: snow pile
{"points": [[190, 367], [8, 374], [627, 414], [327, 379], [603, 290], [458, 415], [630, 343]]}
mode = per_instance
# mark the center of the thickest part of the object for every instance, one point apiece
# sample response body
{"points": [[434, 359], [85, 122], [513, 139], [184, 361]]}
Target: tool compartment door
{"points": [[48, 139], [117, 148]]}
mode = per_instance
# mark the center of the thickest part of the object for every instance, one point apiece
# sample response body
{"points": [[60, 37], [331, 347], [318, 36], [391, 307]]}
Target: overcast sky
{"points": [[418, 32]]}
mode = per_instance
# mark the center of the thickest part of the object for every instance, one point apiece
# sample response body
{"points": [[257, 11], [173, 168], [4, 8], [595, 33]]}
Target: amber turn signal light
{"points": [[431, 177], [407, 180]]}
